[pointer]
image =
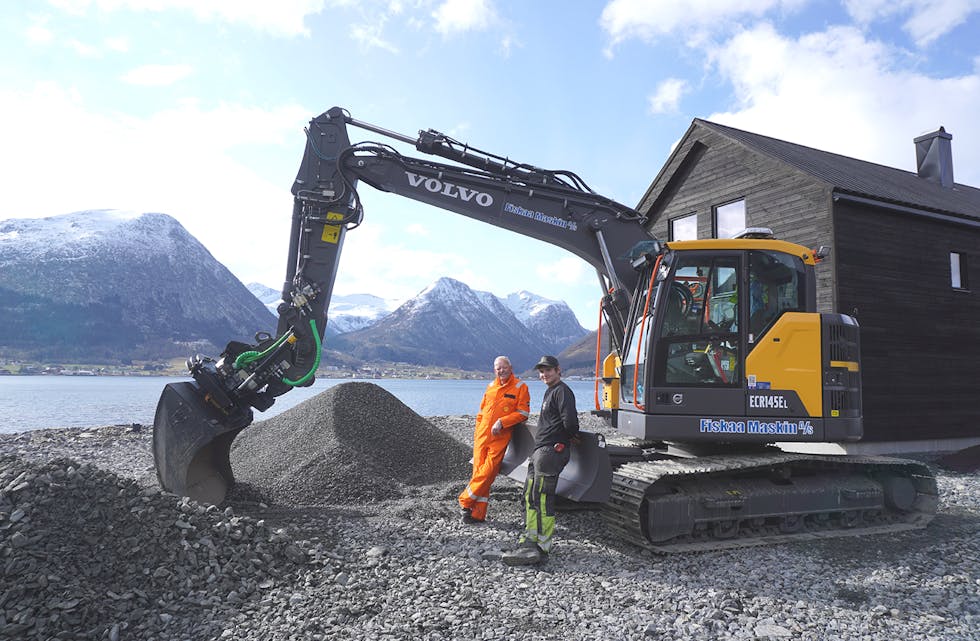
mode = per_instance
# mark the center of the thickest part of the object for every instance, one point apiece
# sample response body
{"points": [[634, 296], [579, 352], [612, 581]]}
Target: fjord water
{"points": [[37, 402]]}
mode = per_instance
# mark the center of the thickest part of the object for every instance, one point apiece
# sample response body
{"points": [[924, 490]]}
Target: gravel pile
{"points": [[88, 554], [85, 554], [352, 443]]}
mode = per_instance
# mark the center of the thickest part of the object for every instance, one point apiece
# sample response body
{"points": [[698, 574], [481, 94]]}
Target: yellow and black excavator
{"points": [[717, 353]]}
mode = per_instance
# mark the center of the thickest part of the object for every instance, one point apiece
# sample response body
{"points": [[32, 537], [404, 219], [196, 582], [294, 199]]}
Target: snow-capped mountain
{"points": [[269, 297], [347, 313], [106, 285], [117, 284], [350, 312], [450, 324], [554, 320]]}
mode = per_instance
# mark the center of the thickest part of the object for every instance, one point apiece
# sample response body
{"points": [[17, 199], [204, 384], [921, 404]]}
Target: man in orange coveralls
{"points": [[506, 403]]}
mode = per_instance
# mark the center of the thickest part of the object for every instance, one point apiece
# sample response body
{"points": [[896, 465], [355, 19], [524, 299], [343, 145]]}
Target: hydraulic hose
{"points": [[251, 356], [316, 360]]}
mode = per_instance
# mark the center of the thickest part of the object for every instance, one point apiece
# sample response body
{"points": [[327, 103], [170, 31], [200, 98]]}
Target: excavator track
{"points": [[724, 502]]}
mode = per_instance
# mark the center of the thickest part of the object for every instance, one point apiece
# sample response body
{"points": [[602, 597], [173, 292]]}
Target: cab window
{"points": [[700, 329], [776, 286], [634, 360]]}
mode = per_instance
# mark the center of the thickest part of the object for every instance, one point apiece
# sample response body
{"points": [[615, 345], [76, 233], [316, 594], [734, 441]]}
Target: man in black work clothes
{"points": [[557, 429]]}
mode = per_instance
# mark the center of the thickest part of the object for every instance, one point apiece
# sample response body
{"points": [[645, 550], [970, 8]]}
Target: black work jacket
{"points": [[558, 421]]}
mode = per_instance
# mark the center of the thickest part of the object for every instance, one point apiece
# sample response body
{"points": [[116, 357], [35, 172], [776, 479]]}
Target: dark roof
{"points": [[861, 178]]}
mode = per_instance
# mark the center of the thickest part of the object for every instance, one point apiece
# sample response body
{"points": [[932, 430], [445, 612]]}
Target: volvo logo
{"points": [[449, 189]]}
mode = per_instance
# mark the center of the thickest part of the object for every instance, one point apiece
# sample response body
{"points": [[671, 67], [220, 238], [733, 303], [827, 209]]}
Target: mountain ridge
{"points": [[117, 285], [112, 285]]}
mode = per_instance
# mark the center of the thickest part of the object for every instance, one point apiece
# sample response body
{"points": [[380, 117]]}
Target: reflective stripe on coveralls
{"points": [[509, 403]]}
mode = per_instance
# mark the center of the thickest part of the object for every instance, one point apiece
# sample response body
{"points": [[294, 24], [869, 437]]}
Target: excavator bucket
{"points": [[588, 476], [191, 442]]}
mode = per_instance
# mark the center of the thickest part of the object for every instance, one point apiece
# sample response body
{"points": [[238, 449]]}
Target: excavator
{"points": [[717, 353]]}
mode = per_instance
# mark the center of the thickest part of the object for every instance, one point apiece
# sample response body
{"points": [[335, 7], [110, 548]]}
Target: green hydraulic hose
{"points": [[316, 361], [245, 358], [251, 356]]}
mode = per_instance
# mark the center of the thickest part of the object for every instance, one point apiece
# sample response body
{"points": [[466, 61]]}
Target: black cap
{"points": [[547, 361]]}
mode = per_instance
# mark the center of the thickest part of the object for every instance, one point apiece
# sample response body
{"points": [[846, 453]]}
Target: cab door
{"points": [[698, 354]]}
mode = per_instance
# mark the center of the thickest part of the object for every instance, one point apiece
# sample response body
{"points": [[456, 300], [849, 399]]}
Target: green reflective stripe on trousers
{"points": [[530, 513], [540, 526], [546, 521]]}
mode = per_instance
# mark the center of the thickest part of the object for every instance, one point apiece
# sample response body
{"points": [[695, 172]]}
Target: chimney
{"points": [[934, 157]]}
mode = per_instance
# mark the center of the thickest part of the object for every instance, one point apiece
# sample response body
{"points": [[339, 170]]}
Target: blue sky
{"points": [[195, 108]]}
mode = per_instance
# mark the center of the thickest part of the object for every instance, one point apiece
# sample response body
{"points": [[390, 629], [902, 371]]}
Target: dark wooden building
{"points": [[905, 261]]}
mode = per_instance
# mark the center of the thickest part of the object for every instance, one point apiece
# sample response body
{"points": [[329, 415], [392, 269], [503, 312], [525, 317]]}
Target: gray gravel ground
{"points": [[91, 549]]}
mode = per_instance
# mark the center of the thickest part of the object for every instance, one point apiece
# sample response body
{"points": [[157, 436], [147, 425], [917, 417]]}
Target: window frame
{"points": [[670, 226], [958, 272], [717, 208], [734, 337]]}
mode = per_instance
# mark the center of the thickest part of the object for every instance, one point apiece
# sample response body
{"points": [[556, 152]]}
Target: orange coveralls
{"points": [[511, 404]]}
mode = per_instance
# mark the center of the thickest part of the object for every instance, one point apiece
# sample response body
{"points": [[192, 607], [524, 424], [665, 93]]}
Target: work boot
{"points": [[468, 517], [527, 554]]}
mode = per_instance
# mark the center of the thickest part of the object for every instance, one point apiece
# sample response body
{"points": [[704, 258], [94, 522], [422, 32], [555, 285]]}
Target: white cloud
{"points": [[118, 43], [455, 16], [282, 18], [180, 162], [838, 91], [157, 75], [668, 95], [74, 7], [39, 34], [867, 11], [507, 45], [369, 35], [567, 271], [83, 49], [371, 264], [926, 20], [624, 19], [417, 230]]}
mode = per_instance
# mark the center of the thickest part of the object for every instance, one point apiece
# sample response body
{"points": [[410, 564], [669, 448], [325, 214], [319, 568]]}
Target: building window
{"points": [[729, 219], [957, 270], [684, 228]]}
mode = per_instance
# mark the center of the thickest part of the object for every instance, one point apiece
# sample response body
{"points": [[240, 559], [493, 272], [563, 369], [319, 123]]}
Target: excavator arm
{"points": [[556, 207], [197, 421]]}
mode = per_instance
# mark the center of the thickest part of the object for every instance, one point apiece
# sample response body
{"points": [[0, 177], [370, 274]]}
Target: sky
{"points": [[196, 108]]}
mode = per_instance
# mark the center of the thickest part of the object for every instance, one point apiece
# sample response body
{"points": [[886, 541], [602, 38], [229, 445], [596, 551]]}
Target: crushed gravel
{"points": [[91, 549], [87, 554], [352, 443]]}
